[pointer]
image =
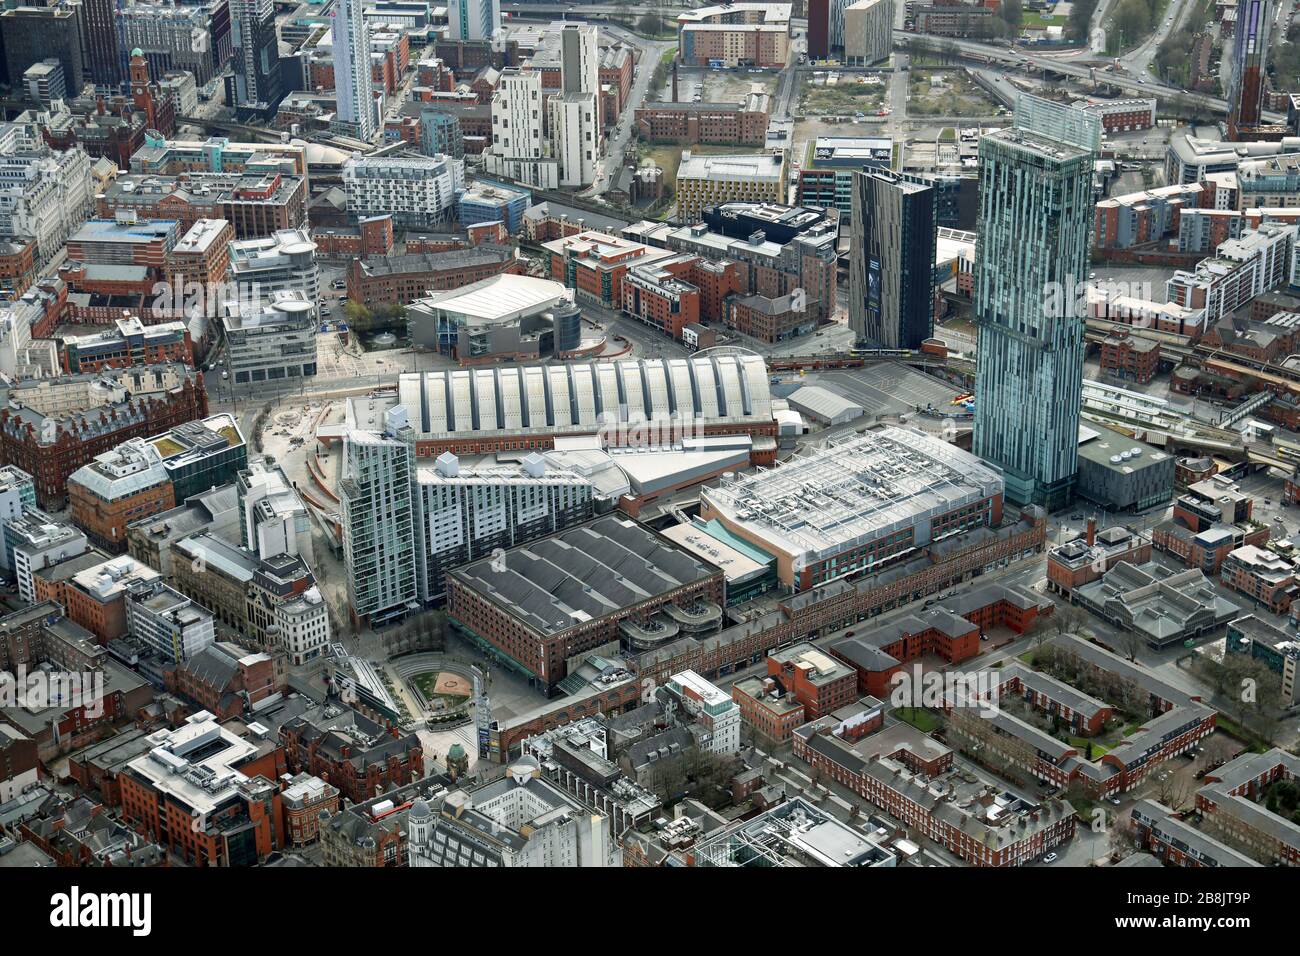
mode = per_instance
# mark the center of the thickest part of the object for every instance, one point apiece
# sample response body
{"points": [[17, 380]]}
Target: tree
{"points": [[651, 24], [1079, 25], [1172, 790], [1216, 751], [360, 318], [1131, 19], [1013, 12], [1130, 641]]}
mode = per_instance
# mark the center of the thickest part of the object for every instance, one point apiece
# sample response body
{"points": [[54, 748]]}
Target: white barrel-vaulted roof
{"points": [[581, 396]]}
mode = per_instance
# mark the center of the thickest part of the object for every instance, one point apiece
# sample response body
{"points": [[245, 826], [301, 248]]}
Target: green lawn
{"points": [[1081, 744], [1246, 736], [426, 683], [920, 718]]}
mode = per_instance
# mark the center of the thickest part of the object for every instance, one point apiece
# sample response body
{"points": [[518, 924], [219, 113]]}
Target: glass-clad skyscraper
{"points": [[378, 531], [891, 272], [1031, 262]]}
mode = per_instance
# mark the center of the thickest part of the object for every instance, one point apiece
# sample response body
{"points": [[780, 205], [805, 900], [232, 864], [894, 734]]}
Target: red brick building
{"points": [[660, 296], [951, 630], [223, 683], [803, 683], [770, 319], [371, 236], [235, 822], [104, 519], [766, 709], [812, 678], [1128, 358], [881, 652], [689, 597], [201, 256], [1083, 560], [51, 448], [593, 264], [1267, 578], [403, 279], [735, 124], [358, 756], [17, 265], [1232, 807], [304, 799], [886, 781]]}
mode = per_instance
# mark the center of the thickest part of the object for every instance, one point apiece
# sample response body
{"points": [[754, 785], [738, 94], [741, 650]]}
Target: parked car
{"points": [[1050, 858]]}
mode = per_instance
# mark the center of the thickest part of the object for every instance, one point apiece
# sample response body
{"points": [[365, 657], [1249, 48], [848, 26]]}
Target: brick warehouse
{"points": [[808, 616], [737, 124], [403, 279], [609, 580]]}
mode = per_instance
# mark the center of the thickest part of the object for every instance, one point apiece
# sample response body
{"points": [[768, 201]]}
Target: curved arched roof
{"points": [[577, 397]]}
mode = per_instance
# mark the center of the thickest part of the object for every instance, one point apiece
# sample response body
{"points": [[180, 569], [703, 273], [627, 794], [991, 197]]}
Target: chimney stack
{"points": [[1092, 531]]}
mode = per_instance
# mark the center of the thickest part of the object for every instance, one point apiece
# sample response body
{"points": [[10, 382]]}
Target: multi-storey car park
{"points": [[858, 504]]}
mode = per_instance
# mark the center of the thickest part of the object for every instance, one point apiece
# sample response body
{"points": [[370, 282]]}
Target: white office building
{"points": [[166, 621], [419, 192], [709, 707], [519, 149], [284, 261], [273, 341], [44, 195], [272, 518], [35, 541], [17, 494], [463, 514]]}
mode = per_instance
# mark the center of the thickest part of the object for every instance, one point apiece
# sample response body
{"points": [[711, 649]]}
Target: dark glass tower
{"points": [[891, 272]]}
